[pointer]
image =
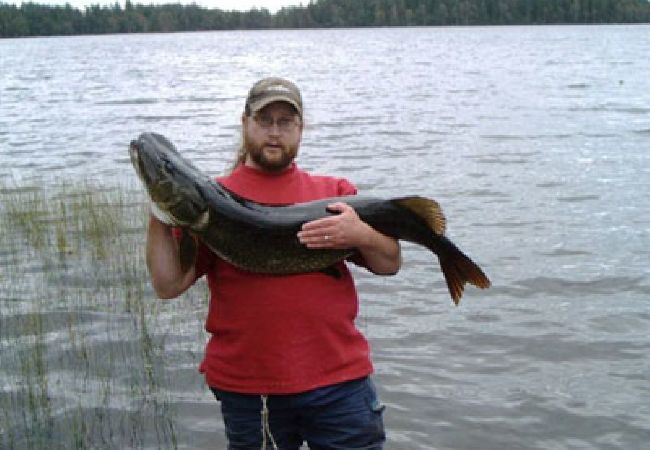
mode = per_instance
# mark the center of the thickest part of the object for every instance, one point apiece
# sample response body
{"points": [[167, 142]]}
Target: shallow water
{"points": [[534, 140]]}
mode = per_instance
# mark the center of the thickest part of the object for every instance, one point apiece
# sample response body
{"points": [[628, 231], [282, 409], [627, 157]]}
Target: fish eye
{"points": [[169, 167]]}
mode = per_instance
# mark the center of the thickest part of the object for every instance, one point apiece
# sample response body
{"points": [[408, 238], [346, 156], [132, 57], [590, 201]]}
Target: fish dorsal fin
{"points": [[428, 210]]}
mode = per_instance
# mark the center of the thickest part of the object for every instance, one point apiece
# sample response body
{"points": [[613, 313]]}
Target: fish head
{"points": [[172, 182]]}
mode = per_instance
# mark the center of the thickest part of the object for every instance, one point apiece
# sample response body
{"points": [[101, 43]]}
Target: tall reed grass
{"points": [[82, 356]]}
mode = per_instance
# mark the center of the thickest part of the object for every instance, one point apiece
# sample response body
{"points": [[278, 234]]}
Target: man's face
{"points": [[272, 137]]}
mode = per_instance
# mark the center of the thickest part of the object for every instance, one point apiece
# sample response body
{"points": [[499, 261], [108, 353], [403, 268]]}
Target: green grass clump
{"points": [[82, 354]]}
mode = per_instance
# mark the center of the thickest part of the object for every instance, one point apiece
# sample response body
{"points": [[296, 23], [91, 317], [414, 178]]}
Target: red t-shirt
{"points": [[281, 334]]}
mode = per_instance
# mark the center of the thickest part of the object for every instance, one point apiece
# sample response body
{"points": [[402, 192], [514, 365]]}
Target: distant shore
{"points": [[32, 19]]}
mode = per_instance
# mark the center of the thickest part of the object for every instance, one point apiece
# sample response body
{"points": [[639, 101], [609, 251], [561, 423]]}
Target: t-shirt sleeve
{"points": [[344, 187]]}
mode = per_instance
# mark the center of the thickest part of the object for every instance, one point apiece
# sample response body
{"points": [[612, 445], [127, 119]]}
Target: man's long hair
{"points": [[240, 156]]}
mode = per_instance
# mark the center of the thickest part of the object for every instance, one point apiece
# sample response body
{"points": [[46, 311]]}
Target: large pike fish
{"points": [[263, 238]]}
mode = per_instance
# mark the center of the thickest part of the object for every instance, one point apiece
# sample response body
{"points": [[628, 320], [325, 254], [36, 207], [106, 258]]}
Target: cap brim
{"points": [[256, 106]]}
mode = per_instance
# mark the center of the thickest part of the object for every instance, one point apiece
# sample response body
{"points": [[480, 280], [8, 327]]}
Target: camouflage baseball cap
{"points": [[273, 89]]}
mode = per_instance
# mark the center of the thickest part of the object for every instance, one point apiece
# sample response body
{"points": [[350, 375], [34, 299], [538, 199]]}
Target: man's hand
{"points": [[346, 230], [340, 231]]}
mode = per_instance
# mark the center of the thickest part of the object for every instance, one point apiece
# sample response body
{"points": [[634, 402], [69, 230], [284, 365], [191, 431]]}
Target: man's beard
{"points": [[256, 153]]}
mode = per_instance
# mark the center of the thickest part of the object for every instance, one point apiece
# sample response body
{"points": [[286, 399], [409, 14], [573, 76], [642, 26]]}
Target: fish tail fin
{"points": [[458, 270], [428, 210], [457, 267]]}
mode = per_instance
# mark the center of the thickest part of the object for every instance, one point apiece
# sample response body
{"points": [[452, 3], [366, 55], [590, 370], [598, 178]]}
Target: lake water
{"points": [[535, 140]]}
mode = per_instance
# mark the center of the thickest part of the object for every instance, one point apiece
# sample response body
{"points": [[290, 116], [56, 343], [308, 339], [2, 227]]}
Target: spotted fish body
{"points": [[263, 239]]}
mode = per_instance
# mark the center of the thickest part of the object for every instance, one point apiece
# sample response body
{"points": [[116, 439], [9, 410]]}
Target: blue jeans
{"points": [[342, 416]]}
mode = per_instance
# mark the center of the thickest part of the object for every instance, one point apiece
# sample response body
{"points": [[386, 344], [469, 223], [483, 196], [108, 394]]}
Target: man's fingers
{"points": [[337, 208], [320, 239]]}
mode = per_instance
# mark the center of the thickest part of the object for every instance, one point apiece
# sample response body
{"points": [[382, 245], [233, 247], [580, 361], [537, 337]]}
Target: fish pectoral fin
{"points": [[428, 210], [162, 215], [202, 221], [186, 250]]}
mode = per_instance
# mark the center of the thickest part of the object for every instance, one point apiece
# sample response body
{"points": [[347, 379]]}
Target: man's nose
{"points": [[274, 129]]}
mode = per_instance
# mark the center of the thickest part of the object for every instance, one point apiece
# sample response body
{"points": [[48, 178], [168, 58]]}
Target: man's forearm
{"points": [[381, 254], [163, 261]]}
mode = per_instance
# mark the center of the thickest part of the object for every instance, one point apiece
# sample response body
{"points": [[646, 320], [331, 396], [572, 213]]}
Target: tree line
{"points": [[32, 19]]}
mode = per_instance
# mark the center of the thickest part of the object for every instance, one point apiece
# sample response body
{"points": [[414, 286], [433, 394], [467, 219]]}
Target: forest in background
{"points": [[32, 19]]}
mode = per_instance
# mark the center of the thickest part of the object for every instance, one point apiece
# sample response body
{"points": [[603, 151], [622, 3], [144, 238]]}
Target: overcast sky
{"points": [[241, 5]]}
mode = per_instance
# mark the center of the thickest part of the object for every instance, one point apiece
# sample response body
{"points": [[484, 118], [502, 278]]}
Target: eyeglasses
{"points": [[285, 124]]}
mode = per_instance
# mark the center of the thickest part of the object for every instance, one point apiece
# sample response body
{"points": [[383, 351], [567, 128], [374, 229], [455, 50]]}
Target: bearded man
{"points": [[285, 359]]}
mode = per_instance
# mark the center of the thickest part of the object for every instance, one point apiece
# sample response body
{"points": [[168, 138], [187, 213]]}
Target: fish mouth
{"points": [[134, 154], [133, 151], [152, 185]]}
